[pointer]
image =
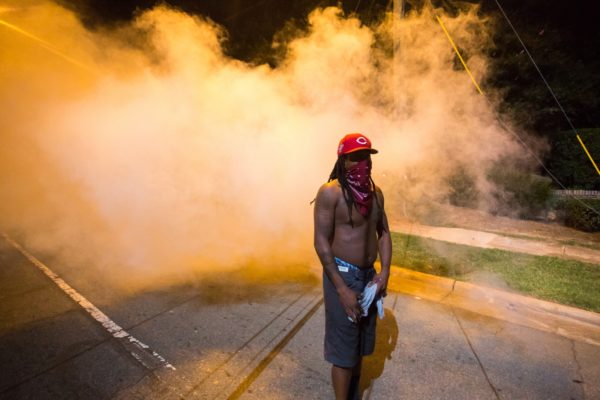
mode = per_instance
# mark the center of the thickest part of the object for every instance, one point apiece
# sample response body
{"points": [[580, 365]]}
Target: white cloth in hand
{"points": [[368, 295], [380, 307]]}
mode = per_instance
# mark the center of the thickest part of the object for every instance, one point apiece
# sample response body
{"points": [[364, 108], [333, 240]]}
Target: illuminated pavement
{"points": [[266, 342]]}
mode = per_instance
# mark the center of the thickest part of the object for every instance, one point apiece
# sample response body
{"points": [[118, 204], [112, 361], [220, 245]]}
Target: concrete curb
{"points": [[570, 322]]}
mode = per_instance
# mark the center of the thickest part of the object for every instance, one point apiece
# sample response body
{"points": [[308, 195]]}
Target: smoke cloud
{"points": [[144, 151]]}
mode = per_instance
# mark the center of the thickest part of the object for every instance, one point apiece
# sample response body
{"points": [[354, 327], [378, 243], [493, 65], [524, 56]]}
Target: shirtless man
{"points": [[350, 229]]}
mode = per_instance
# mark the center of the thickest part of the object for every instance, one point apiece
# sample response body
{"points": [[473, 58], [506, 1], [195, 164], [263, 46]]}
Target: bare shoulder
{"points": [[329, 193], [379, 192]]}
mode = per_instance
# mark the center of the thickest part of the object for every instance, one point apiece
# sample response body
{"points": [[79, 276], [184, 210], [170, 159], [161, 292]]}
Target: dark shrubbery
{"points": [[578, 216], [523, 195], [569, 163], [462, 189], [519, 193]]}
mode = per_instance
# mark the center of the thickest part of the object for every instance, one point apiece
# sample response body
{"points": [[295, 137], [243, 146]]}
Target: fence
{"points": [[580, 194]]}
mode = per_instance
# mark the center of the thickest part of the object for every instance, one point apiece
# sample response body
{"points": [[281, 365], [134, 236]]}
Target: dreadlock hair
{"points": [[339, 172]]}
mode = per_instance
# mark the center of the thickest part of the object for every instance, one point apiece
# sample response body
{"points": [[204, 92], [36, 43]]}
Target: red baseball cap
{"points": [[354, 142]]}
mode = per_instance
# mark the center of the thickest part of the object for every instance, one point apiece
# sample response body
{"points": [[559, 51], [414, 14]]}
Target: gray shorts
{"points": [[346, 341]]}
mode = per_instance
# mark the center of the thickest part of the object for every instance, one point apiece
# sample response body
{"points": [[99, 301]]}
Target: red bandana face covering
{"points": [[359, 179]]}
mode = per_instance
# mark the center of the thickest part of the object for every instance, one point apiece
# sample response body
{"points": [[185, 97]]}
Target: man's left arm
{"points": [[384, 245]]}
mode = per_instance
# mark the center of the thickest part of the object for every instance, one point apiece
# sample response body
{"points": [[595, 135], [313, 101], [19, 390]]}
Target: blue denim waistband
{"points": [[358, 272], [343, 263]]}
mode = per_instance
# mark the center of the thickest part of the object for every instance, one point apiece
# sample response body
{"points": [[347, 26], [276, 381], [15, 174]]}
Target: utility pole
{"points": [[398, 14], [399, 8]]}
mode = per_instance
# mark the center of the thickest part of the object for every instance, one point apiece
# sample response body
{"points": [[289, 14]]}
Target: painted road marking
{"points": [[140, 351]]}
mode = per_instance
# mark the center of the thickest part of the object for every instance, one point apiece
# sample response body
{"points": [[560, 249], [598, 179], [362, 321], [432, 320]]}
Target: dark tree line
{"points": [[561, 36], [562, 39]]}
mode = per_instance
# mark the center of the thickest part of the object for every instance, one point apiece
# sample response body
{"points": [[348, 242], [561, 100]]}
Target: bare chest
{"points": [[343, 216]]}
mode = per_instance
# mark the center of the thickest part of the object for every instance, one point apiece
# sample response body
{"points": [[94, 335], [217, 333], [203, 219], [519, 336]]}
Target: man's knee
{"points": [[342, 368], [354, 369]]}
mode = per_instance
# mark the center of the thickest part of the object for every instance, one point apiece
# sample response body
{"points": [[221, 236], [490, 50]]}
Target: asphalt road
{"points": [[263, 342]]}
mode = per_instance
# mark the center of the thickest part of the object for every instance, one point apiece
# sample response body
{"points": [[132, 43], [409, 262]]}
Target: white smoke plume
{"points": [[145, 151]]}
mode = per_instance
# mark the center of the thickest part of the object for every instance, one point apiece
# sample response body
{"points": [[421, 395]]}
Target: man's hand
{"points": [[349, 301], [381, 279]]}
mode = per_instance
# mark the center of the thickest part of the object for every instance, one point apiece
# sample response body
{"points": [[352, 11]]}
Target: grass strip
{"points": [[563, 281]]}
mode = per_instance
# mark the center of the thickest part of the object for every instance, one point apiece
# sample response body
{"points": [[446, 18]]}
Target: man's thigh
{"points": [[342, 336]]}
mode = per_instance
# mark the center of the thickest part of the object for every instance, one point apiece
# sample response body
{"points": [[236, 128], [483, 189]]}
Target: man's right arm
{"points": [[324, 228]]}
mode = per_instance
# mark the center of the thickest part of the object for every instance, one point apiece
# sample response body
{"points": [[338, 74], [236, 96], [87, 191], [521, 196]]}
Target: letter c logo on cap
{"points": [[361, 140]]}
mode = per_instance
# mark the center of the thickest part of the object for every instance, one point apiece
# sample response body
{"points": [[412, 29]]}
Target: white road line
{"points": [[113, 328]]}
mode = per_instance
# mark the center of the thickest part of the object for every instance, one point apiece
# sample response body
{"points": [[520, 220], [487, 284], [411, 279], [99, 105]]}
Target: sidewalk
{"points": [[492, 240]]}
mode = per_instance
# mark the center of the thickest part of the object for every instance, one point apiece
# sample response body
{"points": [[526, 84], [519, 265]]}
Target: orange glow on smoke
{"points": [[44, 44], [178, 159]]}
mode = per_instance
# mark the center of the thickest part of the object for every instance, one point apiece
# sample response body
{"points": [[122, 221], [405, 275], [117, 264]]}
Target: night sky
{"points": [[562, 37], [255, 21]]}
